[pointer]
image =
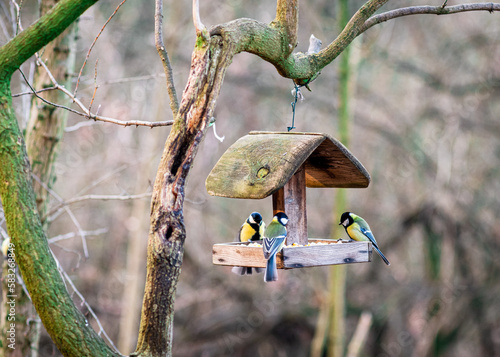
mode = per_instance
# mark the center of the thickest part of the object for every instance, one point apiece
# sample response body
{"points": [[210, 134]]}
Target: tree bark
{"points": [[46, 125], [65, 324], [167, 233]]}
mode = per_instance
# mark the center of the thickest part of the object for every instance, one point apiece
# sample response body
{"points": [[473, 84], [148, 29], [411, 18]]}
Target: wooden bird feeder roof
{"points": [[261, 163]]}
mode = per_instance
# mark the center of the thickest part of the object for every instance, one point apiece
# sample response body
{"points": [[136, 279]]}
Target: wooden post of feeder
{"points": [[291, 199]]}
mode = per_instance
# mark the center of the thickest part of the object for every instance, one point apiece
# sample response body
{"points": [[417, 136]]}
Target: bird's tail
{"points": [[271, 273], [381, 255]]}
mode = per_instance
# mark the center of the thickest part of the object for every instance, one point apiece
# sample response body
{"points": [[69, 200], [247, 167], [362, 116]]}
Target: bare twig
{"points": [[19, 26], [68, 211], [198, 25], [95, 86], [79, 125], [32, 93], [132, 79], [92, 46], [361, 21], [101, 179], [85, 110], [432, 10], [75, 234], [162, 52], [97, 198], [201, 30], [67, 279]]}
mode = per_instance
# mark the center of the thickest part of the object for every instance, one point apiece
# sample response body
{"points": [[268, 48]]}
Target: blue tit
{"points": [[274, 241], [253, 229], [357, 229]]}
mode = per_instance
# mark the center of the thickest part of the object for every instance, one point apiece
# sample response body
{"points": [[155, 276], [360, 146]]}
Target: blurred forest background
{"points": [[425, 108]]}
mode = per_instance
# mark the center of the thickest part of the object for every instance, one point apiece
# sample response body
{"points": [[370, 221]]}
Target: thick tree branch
{"points": [[287, 19], [167, 231], [62, 320], [348, 34], [265, 40], [162, 52], [14, 53]]}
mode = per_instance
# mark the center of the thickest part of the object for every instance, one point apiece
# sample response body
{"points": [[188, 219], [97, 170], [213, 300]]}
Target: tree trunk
{"points": [[46, 125], [167, 231], [43, 134], [66, 325]]}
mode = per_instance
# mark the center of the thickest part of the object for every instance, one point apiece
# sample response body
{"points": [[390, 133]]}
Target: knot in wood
{"points": [[263, 172]]}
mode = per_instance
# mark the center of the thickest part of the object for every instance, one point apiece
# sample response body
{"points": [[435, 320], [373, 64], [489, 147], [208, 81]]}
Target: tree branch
{"points": [[69, 212], [63, 203], [348, 34], [266, 42], [201, 30], [62, 320], [14, 53], [432, 10], [162, 52], [287, 18], [93, 43], [86, 112]]}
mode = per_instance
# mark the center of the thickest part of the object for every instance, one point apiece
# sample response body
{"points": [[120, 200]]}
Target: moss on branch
{"points": [[14, 53], [272, 42], [66, 325]]}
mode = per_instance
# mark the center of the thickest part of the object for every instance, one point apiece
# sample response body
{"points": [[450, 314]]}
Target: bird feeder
{"points": [[283, 164]]}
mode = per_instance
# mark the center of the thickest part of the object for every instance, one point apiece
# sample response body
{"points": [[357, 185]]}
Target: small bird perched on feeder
{"points": [[253, 229], [357, 229], [274, 241]]}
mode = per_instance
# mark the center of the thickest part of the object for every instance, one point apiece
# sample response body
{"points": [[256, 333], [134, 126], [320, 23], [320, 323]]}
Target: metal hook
{"points": [[297, 94]]}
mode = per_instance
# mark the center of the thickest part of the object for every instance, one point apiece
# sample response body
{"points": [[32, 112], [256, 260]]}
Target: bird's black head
{"points": [[281, 217], [255, 217], [346, 219]]}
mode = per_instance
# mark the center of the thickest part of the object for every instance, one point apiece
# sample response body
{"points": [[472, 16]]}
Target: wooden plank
{"points": [[295, 208], [239, 254], [330, 254]]}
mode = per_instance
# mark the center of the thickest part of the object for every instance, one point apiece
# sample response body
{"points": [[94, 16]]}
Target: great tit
{"points": [[253, 229], [274, 241], [357, 229]]}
